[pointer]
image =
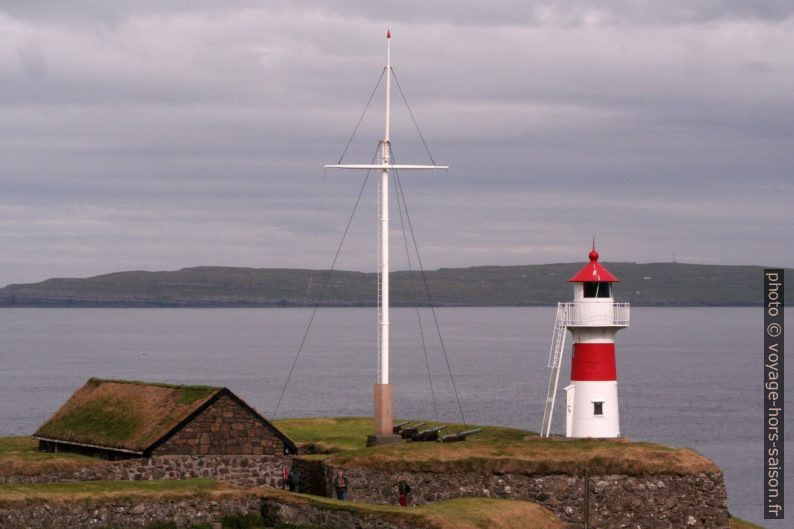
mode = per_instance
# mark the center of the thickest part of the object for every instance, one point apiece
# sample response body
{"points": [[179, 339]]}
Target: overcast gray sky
{"points": [[160, 135]]}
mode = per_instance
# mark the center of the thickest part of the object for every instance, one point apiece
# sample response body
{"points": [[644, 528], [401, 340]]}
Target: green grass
{"points": [[27, 448], [123, 414], [342, 443], [341, 434], [20, 455], [459, 513], [97, 487], [189, 394], [327, 434], [487, 513], [738, 523], [116, 419], [111, 489]]}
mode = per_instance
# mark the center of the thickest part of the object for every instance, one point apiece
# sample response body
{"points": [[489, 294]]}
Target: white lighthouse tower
{"points": [[593, 319]]}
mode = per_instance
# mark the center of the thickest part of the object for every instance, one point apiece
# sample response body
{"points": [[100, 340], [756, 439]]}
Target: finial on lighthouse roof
{"points": [[593, 253], [594, 271], [388, 33]]}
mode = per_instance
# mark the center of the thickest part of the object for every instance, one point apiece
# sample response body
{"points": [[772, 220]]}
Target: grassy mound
{"points": [[460, 513], [93, 490], [20, 455], [738, 523], [342, 441]]}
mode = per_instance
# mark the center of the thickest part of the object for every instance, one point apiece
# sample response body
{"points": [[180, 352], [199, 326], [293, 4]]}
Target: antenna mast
{"points": [[383, 400]]}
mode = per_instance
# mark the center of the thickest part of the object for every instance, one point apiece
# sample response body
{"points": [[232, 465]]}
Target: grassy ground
{"points": [[460, 513], [327, 435], [112, 489], [738, 523], [20, 455], [342, 442]]}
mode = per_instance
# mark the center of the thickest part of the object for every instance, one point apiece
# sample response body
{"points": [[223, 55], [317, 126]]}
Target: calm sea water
{"points": [[688, 377]]}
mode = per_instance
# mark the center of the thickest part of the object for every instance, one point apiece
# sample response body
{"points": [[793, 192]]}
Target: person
{"points": [[340, 485], [284, 477], [294, 480], [405, 489]]}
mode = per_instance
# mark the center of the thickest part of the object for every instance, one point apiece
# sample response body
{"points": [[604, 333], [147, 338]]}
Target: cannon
{"points": [[431, 434], [398, 427], [457, 437], [409, 431]]}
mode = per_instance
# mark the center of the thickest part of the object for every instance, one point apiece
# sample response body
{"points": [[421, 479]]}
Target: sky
{"points": [[159, 135]]}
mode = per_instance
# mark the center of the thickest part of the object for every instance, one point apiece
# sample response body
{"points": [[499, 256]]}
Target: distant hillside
{"points": [[669, 284]]}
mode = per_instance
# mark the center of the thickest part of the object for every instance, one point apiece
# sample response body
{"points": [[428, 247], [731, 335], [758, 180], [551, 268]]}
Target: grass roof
{"points": [[122, 414]]}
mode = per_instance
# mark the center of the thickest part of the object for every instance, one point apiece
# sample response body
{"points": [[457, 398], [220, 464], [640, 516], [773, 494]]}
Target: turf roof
{"points": [[123, 414]]}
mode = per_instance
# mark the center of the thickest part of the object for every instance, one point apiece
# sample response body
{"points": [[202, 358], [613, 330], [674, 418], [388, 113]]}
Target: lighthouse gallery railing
{"points": [[583, 314]]}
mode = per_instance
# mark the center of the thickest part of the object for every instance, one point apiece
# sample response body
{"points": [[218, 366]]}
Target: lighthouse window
{"points": [[597, 290], [598, 409]]}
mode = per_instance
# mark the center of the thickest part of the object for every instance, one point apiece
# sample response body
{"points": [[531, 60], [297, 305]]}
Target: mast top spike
{"points": [[388, 33]]}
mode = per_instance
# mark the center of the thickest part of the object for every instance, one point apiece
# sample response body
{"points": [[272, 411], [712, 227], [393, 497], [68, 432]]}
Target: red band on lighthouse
{"points": [[593, 362]]}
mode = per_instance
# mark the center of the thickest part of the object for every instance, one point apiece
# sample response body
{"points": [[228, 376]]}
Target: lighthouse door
{"points": [[569, 394]]}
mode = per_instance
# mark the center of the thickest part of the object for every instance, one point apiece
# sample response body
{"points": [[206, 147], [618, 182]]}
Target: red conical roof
{"points": [[593, 272]]}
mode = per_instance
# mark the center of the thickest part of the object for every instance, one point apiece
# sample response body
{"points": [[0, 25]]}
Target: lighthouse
{"points": [[593, 318]]}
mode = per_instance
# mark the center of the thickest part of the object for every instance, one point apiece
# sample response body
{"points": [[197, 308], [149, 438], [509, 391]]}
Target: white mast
{"points": [[383, 392], [383, 221]]}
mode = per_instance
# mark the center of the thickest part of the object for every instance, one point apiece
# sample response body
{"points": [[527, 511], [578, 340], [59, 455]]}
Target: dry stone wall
{"points": [[275, 511], [245, 471], [223, 428], [642, 502], [652, 502], [125, 513]]}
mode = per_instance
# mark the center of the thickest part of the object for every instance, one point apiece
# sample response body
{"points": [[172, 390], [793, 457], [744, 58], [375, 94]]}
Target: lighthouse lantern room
{"points": [[593, 319]]}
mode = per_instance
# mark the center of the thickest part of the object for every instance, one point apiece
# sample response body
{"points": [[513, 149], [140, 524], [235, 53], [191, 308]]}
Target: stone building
{"points": [[118, 419]]}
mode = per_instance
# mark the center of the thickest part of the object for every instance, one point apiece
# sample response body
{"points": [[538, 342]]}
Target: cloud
{"points": [[170, 134], [466, 13]]}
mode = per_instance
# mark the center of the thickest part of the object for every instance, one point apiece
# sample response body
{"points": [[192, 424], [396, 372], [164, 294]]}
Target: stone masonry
{"points": [[126, 513], [650, 502], [223, 428], [244, 471], [276, 512]]}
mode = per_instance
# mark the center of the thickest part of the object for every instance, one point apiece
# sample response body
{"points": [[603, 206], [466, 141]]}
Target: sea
{"points": [[688, 377]]}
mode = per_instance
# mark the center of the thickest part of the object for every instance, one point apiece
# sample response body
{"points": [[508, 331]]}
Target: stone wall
{"points": [[245, 471], [125, 513], [224, 428], [652, 502], [275, 511]]}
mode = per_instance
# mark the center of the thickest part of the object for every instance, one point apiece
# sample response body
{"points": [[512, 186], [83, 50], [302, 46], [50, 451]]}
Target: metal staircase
{"points": [[555, 360]]}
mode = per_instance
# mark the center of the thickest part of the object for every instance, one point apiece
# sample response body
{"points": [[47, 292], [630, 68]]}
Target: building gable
{"points": [[225, 425]]}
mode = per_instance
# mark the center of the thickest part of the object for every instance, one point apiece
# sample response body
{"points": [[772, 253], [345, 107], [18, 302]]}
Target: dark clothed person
{"points": [[405, 489], [340, 486], [294, 481]]}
